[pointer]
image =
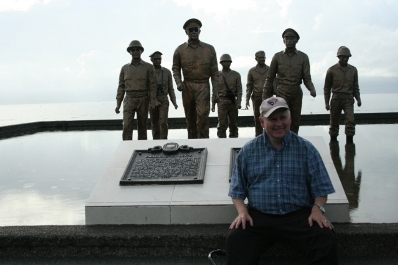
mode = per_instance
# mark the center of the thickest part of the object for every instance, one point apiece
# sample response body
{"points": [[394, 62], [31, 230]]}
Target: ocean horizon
{"points": [[25, 113]]}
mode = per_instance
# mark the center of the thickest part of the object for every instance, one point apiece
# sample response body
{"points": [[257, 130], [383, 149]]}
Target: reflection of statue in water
{"points": [[164, 87], [342, 80], [292, 67], [351, 184], [229, 99], [198, 62], [254, 88], [138, 89]]}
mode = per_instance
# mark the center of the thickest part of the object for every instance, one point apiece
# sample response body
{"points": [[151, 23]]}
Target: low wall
{"points": [[362, 240], [178, 123]]}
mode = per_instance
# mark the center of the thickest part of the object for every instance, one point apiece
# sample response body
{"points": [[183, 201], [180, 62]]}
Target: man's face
{"points": [[260, 58], [135, 52], [193, 31], [226, 64], [290, 39], [343, 60], [277, 125], [156, 60]]}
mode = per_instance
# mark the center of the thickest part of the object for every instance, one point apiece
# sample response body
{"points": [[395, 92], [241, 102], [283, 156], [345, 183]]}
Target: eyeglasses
{"points": [[135, 49], [193, 29], [290, 38]]}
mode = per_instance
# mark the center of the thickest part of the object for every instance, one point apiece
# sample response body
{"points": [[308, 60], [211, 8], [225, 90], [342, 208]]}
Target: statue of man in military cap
{"points": [[164, 88], [137, 87], [292, 67], [198, 62], [342, 80], [229, 99], [254, 88]]}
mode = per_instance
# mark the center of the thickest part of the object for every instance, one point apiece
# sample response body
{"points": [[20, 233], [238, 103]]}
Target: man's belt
{"points": [[297, 86], [137, 93], [200, 81]]}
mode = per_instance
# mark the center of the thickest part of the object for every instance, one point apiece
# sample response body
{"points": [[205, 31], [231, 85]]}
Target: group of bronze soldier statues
{"points": [[144, 87]]}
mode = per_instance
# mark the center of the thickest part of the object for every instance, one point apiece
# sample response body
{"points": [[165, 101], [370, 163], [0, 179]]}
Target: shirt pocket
{"points": [[140, 75], [127, 80], [337, 80], [258, 80], [297, 70], [283, 70], [204, 65], [296, 172], [165, 82], [349, 77], [127, 76]]}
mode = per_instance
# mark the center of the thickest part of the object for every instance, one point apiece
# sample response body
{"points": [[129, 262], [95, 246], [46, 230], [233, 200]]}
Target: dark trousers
{"points": [[246, 246], [256, 102], [196, 101], [130, 107], [342, 102], [227, 118], [294, 99], [159, 116]]}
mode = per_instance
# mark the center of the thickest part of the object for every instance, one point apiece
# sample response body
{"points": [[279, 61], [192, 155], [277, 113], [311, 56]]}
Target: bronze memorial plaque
{"points": [[170, 164]]}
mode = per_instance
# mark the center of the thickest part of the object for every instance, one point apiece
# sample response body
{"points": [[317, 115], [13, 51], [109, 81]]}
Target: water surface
{"points": [[47, 177]]}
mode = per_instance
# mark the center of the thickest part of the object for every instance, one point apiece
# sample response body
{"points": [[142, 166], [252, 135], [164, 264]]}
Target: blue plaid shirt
{"points": [[279, 181]]}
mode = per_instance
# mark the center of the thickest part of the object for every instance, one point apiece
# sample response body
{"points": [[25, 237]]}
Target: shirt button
{"points": [[279, 195]]}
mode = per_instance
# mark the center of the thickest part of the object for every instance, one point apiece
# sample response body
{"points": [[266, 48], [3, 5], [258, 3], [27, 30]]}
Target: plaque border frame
{"points": [[165, 181]]}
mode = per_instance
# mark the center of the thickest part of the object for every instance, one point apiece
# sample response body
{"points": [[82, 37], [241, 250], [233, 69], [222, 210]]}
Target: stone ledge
{"points": [[362, 240], [178, 123]]}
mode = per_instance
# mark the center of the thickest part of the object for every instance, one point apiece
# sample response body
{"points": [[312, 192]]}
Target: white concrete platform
{"points": [[206, 203]]}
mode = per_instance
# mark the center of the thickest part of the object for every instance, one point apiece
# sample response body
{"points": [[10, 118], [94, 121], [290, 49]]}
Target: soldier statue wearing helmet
{"points": [[229, 99], [254, 88], [292, 67], [164, 88], [198, 62], [342, 80], [137, 91]]}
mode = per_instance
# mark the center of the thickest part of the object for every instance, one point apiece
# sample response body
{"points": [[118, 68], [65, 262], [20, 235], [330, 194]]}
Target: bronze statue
{"points": [[254, 88], [342, 80], [164, 87], [138, 89], [198, 62], [292, 67], [228, 100]]}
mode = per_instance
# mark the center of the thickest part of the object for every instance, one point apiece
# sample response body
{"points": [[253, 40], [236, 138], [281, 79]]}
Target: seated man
{"points": [[286, 184]]}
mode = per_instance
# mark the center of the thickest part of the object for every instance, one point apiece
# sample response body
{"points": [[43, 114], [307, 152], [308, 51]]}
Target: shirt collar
{"points": [[262, 69], [339, 67], [285, 140], [284, 52], [187, 44], [140, 62]]}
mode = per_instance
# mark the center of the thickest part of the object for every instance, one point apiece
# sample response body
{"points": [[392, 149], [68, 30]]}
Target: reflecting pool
{"points": [[47, 177]]}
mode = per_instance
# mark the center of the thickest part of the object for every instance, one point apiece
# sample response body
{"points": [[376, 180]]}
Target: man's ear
{"points": [[261, 121]]}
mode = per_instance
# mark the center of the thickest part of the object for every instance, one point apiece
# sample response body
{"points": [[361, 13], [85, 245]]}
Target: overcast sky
{"points": [[72, 50]]}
